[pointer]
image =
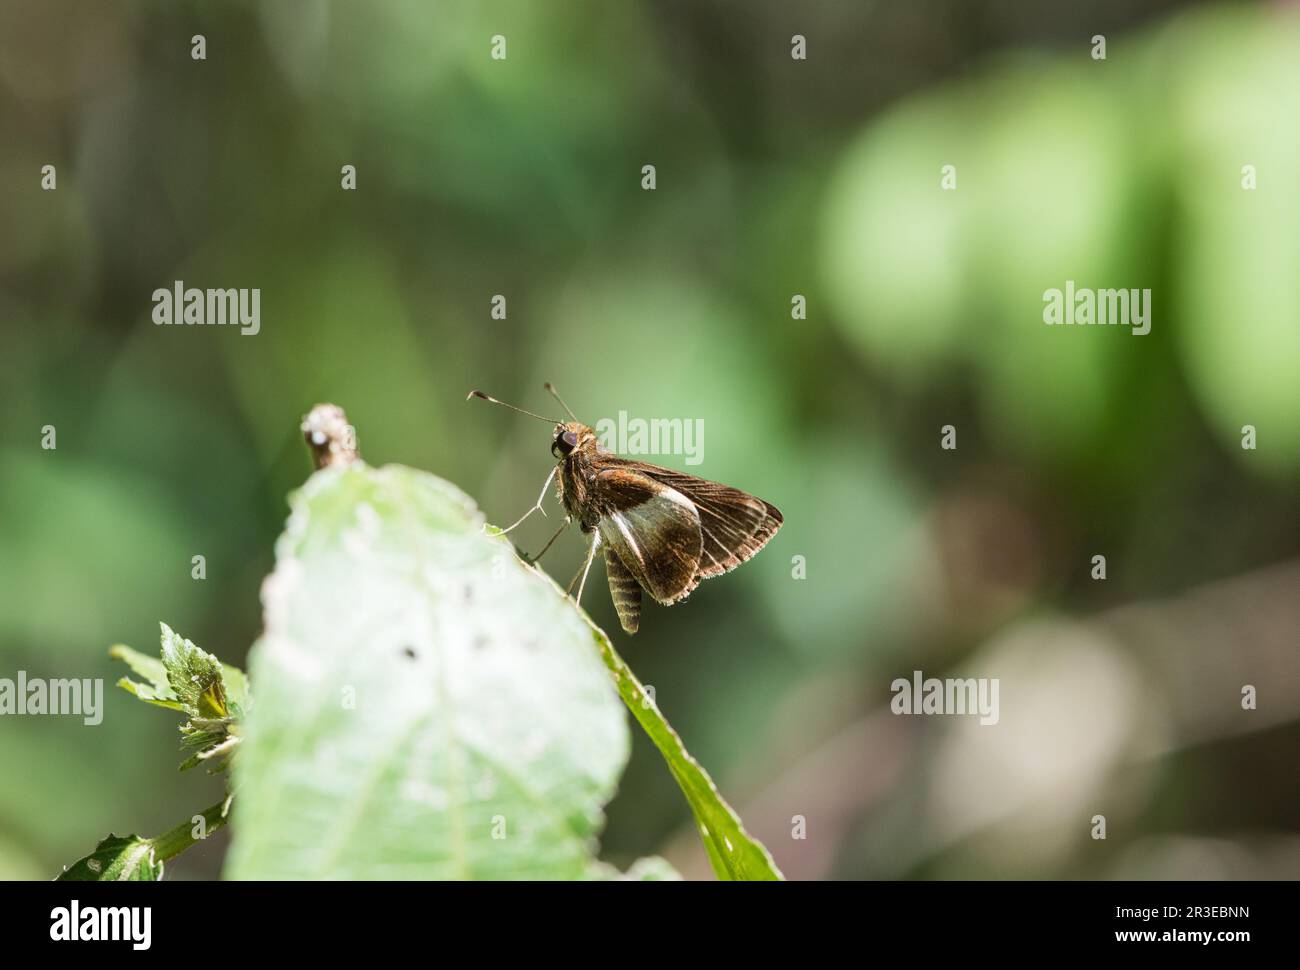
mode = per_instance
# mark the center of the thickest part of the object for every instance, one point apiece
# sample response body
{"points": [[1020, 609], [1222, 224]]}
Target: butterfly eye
{"points": [[565, 442]]}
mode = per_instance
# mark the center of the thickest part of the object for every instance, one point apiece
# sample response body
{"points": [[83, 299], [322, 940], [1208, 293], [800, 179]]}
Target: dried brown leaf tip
{"points": [[333, 442]]}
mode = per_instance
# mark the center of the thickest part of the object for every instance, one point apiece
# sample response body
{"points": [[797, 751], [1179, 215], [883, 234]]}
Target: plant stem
{"points": [[175, 841]]}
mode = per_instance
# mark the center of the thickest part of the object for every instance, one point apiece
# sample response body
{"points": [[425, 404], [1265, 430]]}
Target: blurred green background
{"points": [[776, 177]]}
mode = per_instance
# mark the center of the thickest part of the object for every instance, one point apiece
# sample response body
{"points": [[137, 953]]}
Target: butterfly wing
{"points": [[734, 525], [653, 529]]}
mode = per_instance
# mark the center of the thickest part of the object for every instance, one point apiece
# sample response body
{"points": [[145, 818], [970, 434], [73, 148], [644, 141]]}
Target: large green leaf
{"points": [[425, 707]]}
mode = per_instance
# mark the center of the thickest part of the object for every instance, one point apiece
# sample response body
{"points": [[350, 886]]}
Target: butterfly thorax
{"points": [[580, 454]]}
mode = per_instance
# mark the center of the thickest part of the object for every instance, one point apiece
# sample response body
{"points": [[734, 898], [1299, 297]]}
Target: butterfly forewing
{"points": [[665, 531], [652, 528], [734, 525]]}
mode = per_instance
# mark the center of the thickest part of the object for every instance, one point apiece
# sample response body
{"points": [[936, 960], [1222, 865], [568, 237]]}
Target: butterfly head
{"points": [[570, 437]]}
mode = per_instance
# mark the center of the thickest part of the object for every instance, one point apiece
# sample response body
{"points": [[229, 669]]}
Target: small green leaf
{"points": [[146, 693], [191, 681], [117, 859], [213, 739], [236, 684], [194, 676], [150, 668], [158, 691]]}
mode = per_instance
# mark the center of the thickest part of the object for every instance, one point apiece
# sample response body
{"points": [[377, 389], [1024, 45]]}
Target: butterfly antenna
{"points": [[510, 406], [556, 394]]}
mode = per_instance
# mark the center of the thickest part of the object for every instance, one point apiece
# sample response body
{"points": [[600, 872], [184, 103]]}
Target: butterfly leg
{"points": [[591, 554], [537, 506], [531, 560]]}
